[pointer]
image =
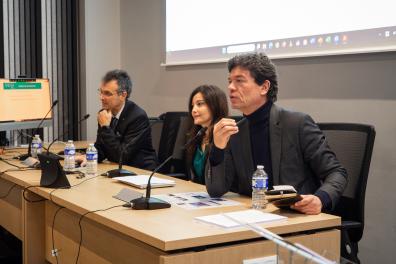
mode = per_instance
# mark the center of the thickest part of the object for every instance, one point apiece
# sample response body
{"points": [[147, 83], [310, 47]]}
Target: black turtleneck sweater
{"points": [[259, 141]]}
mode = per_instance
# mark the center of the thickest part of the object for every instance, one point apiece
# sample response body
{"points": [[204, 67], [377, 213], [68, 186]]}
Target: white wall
{"points": [[101, 52]]}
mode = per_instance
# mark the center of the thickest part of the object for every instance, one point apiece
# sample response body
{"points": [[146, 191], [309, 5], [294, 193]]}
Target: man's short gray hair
{"points": [[123, 80]]}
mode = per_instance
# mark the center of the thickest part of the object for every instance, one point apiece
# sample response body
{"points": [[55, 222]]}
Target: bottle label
{"points": [[92, 156], [258, 183], [70, 152], [36, 145]]}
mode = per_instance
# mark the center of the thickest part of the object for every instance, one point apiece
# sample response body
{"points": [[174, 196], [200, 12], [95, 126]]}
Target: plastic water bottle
{"points": [[92, 160], [37, 146], [259, 186], [70, 153]]}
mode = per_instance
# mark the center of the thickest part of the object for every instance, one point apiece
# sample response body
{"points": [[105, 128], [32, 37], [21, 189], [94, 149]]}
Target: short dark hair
{"points": [[123, 80], [260, 67]]}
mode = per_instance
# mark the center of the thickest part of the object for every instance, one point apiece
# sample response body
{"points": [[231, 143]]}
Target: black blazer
{"points": [[300, 157], [133, 120]]}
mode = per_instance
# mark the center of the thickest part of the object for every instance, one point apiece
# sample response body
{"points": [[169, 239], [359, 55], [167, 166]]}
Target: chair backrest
{"points": [[353, 146], [169, 136], [181, 138], [156, 130]]}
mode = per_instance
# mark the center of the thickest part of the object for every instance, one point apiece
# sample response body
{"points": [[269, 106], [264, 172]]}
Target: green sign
{"points": [[21, 85]]}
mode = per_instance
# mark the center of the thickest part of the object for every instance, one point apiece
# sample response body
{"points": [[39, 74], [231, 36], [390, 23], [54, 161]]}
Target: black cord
{"points": [[28, 200], [8, 158], [13, 186], [9, 191], [20, 169], [79, 224], [9, 163], [10, 151], [50, 194], [55, 251]]}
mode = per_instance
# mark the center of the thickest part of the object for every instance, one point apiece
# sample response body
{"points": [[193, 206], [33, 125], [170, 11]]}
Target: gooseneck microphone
{"points": [[56, 139], [120, 172], [151, 203], [29, 153], [240, 121], [32, 162]]}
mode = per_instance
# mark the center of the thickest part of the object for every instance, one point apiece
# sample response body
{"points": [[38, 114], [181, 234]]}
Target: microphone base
{"points": [[151, 203], [119, 173]]}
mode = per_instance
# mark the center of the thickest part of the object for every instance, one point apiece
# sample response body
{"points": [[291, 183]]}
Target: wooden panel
{"points": [[104, 245], [33, 229], [11, 208], [100, 244], [326, 243]]}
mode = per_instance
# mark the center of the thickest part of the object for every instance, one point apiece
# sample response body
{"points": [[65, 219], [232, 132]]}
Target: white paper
{"points": [[140, 181], [284, 188], [264, 260], [245, 216]]}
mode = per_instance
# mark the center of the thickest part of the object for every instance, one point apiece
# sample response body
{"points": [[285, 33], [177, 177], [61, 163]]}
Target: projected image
{"points": [[215, 30]]}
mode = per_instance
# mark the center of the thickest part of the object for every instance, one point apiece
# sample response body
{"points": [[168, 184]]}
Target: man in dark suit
{"points": [[289, 144], [122, 121]]}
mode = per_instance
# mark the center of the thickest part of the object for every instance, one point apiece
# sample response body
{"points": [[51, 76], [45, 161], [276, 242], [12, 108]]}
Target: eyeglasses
{"points": [[106, 93]]}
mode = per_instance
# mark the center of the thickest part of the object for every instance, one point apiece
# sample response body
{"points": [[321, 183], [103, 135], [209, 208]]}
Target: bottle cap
{"points": [[261, 167]]}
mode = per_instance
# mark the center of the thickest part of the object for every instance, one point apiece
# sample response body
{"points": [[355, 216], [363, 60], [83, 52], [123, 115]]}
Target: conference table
{"points": [[123, 235]]}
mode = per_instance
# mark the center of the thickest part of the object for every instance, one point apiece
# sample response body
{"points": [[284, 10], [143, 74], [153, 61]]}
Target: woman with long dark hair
{"points": [[207, 105]]}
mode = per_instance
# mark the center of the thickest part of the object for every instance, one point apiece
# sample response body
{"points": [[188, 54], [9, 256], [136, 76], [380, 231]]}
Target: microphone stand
{"points": [[56, 139], [32, 162], [29, 153], [151, 203], [148, 202], [120, 172]]}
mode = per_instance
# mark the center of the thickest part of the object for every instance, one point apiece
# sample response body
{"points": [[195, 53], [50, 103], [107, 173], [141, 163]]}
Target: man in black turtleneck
{"points": [[289, 144]]}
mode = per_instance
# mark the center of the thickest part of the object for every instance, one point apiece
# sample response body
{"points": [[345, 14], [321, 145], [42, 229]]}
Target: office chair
{"points": [[353, 146], [156, 130], [172, 139], [179, 164]]}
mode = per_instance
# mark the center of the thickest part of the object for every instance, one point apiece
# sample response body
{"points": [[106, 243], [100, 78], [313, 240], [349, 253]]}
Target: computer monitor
{"points": [[23, 100]]}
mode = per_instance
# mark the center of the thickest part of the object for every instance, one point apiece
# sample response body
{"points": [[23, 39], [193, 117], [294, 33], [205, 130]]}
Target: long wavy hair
{"points": [[216, 100]]}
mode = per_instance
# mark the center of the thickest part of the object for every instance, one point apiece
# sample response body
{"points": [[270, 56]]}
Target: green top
{"points": [[199, 165]]}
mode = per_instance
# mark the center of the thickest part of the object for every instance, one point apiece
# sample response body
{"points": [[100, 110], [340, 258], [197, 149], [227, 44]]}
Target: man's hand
{"points": [[222, 131], [310, 204], [104, 118], [81, 159]]}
